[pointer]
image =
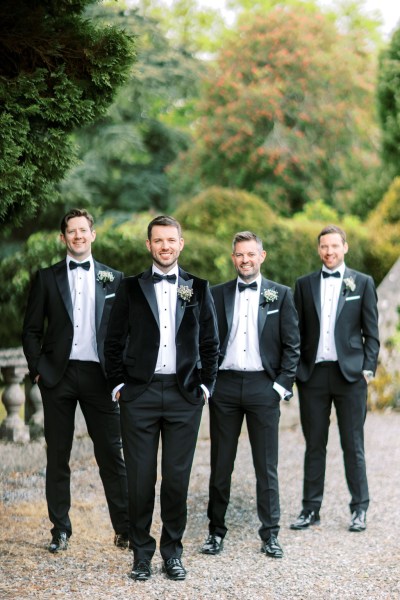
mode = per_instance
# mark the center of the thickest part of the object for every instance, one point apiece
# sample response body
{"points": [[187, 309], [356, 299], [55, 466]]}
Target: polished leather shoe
{"points": [[174, 569], [358, 520], [305, 519], [121, 540], [141, 570], [213, 544], [58, 542], [272, 547]]}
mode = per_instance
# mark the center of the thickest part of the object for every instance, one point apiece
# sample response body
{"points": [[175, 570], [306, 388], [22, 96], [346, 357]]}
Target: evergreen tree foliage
{"points": [[125, 154], [389, 102], [58, 71]]}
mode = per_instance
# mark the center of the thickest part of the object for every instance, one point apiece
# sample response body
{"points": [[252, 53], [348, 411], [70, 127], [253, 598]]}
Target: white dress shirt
{"points": [[243, 348], [82, 288], [166, 294], [331, 288]]}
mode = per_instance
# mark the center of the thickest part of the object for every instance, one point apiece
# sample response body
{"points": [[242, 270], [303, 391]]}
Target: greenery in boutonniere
{"points": [[105, 277], [184, 293], [269, 295]]}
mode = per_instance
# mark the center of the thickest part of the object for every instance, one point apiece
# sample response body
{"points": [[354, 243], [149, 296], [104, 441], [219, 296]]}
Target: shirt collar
{"points": [[341, 269], [173, 271], [257, 280], [89, 258]]}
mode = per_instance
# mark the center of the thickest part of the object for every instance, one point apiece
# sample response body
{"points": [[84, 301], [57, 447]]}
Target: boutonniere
{"points": [[349, 284], [185, 293], [105, 277], [269, 295]]}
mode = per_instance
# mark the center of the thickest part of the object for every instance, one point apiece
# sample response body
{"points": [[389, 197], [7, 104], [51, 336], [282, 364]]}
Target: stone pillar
{"points": [[34, 415], [13, 428]]}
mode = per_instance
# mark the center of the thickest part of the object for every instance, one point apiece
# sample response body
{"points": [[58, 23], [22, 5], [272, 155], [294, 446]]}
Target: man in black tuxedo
{"points": [[161, 360], [63, 339], [259, 352], [338, 319]]}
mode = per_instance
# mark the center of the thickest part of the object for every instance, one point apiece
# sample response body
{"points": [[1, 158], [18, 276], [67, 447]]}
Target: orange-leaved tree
{"points": [[288, 113]]}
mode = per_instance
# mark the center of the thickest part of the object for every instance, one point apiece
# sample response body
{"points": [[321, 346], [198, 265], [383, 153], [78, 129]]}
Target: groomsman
{"points": [[259, 352], [161, 360], [63, 337], [338, 319]]}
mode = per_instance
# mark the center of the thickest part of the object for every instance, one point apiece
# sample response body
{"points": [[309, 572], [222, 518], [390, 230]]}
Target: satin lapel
{"points": [[183, 279], [263, 307], [61, 275], [147, 285], [315, 283], [343, 294], [229, 303], [100, 294]]}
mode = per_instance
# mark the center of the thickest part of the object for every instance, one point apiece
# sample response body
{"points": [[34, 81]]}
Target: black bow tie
{"points": [[245, 286], [75, 265], [335, 274], [157, 277]]}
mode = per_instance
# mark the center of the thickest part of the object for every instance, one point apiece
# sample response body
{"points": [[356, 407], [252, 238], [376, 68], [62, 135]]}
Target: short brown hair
{"points": [[332, 229], [246, 236], [165, 221], [76, 212]]}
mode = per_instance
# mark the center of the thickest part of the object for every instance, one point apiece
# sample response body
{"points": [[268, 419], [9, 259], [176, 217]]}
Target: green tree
{"points": [[57, 71], [288, 113], [389, 102], [125, 154]]}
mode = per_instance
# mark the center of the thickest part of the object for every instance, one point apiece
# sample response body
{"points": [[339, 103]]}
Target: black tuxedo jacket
{"points": [[278, 331], [356, 328], [48, 325], [133, 338]]}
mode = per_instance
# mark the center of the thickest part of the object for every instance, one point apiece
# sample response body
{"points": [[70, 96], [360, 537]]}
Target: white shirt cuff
{"points": [[281, 390], [115, 390]]}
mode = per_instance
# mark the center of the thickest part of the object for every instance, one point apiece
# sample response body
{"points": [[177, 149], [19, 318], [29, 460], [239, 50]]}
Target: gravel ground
{"points": [[325, 562]]}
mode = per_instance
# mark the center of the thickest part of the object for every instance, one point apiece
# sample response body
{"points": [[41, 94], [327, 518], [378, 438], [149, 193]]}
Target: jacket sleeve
{"points": [[33, 326], [116, 337], [369, 326], [208, 342]]}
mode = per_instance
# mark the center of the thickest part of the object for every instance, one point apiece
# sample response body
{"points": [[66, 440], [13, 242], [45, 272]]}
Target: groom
{"points": [[161, 360], [63, 336]]}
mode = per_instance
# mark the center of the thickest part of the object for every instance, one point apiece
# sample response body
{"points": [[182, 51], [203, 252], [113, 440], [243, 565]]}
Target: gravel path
{"points": [[325, 562]]}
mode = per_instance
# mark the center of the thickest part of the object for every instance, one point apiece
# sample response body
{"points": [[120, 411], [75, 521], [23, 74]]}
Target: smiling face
{"points": [[78, 238], [331, 250], [165, 246], [247, 259]]}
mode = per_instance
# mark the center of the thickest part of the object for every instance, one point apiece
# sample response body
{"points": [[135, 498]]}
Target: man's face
{"points": [[331, 250], [78, 238], [165, 246], [247, 259]]}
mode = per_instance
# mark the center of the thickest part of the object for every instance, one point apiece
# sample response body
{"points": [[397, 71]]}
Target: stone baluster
{"points": [[34, 415], [13, 428]]}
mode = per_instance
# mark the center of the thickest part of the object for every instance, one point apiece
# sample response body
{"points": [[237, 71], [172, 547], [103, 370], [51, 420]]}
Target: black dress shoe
{"points": [[272, 547], [121, 540], [141, 570], [358, 520], [174, 569], [305, 519], [58, 542], [213, 544]]}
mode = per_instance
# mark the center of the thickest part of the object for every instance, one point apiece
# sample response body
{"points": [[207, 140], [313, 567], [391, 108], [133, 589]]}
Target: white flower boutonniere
{"points": [[105, 277], [269, 295], [185, 293], [349, 284]]}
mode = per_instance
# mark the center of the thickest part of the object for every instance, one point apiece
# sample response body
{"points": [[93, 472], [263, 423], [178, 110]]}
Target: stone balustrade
{"points": [[19, 392]]}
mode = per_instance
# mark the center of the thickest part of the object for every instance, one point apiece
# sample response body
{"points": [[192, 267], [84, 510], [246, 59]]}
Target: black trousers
{"points": [[238, 394], [83, 382], [161, 412], [327, 386]]}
